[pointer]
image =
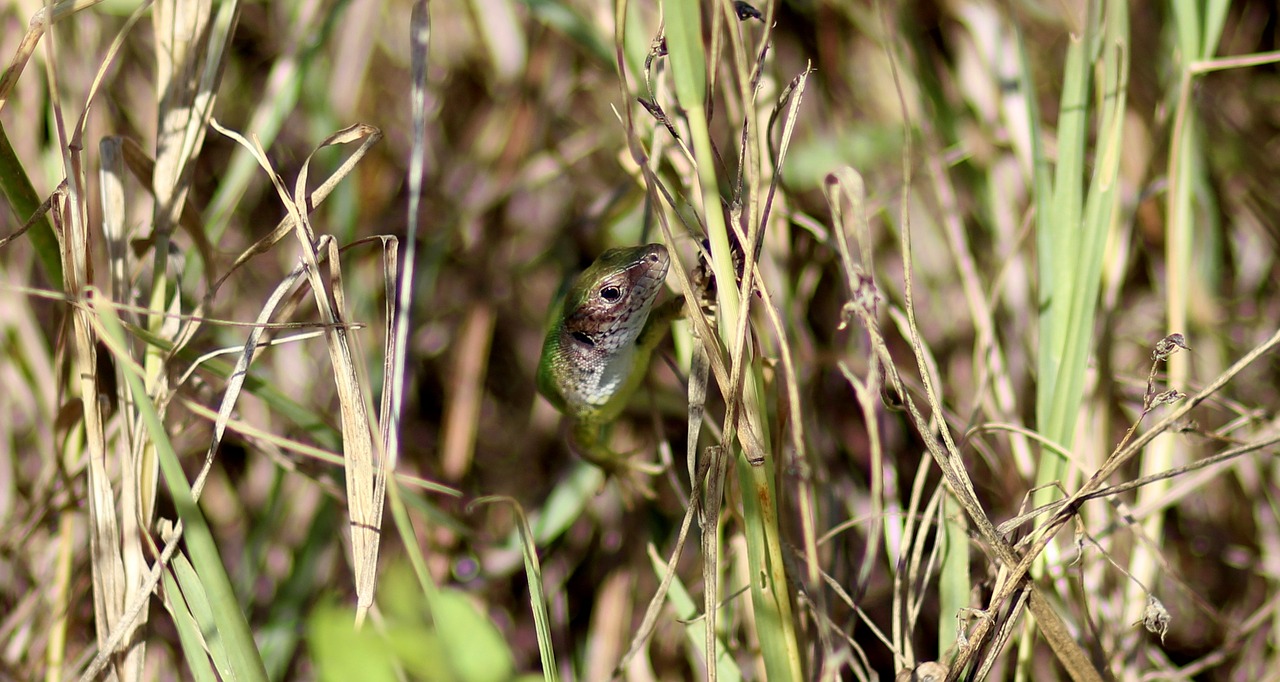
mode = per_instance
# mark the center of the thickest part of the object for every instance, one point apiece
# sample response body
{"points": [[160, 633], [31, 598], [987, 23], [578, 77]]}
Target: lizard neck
{"points": [[590, 375]]}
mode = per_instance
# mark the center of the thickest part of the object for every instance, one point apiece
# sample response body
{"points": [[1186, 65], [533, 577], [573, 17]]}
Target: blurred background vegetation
{"points": [[1152, 199]]}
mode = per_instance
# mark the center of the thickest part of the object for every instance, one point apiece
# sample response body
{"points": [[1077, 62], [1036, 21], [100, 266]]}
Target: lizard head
{"points": [[589, 353], [609, 302]]}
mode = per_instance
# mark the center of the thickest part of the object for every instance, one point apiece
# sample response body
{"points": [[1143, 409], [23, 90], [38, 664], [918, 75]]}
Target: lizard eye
{"points": [[611, 293]]}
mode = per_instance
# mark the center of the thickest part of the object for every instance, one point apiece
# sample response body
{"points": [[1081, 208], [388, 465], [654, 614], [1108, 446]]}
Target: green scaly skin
{"points": [[597, 350]]}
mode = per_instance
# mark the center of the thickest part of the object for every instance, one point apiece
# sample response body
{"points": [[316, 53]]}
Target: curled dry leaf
{"points": [[1168, 346], [1156, 618]]}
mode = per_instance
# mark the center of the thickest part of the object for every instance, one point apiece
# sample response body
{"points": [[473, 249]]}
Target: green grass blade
{"points": [[1057, 230], [24, 201], [537, 598], [188, 629], [196, 603], [686, 610], [685, 52], [771, 601], [1099, 215]]}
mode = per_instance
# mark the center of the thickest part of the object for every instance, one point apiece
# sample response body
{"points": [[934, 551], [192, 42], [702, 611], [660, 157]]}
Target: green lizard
{"points": [[597, 350]]}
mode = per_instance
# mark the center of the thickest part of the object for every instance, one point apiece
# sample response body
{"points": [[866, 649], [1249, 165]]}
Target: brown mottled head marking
{"points": [[608, 304]]}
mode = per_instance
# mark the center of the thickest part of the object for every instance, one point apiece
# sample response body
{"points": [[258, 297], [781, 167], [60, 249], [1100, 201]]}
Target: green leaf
{"points": [[340, 652], [476, 650], [24, 201], [685, 51]]}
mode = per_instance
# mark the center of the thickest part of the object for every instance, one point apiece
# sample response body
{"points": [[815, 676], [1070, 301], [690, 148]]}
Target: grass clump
{"points": [[956, 277]]}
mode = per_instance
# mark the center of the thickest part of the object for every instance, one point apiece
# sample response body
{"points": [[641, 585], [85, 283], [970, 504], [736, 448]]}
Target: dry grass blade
{"points": [[109, 578], [844, 187], [235, 383], [1070, 507], [190, 54], [133, 518], [365, 469], [365, 481], [143, 169], [189, 48], [399, 302], [41, 21], [370, 135], [948, 457], [69, 209]]}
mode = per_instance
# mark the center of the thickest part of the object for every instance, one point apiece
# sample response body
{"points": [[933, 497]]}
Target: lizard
{"points": [[598, 346]]}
